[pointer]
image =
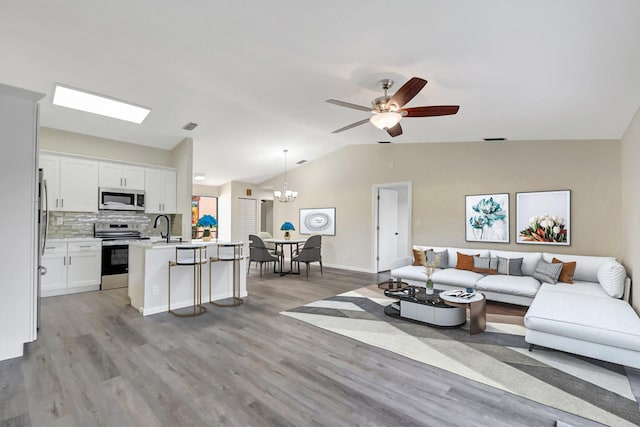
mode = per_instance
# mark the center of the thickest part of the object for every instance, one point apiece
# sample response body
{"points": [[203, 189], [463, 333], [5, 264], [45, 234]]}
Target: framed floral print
{"points": [[544, 217], [487, 218]]}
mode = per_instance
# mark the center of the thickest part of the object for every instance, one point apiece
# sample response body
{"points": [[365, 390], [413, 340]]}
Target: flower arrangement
{"points": [[489, 211], [429, 267], [545, 228], [207, 222], [287, 227]]}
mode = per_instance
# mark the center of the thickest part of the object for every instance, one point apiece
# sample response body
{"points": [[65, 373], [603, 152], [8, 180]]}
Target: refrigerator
{"points": [[43, 232]]}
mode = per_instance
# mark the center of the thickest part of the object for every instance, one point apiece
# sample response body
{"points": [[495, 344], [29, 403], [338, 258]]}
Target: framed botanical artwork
{"points": [[544, 217], [487, 218], [318, 221]]}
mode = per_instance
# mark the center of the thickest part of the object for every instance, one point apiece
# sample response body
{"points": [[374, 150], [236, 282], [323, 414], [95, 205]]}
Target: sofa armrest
{"points": [[401, 262]]}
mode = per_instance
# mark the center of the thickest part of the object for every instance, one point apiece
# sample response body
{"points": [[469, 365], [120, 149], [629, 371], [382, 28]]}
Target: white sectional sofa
{"points": [[586, 317]]}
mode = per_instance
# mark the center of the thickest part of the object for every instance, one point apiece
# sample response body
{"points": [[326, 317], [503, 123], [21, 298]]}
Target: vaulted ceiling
{"points": [[255, 75]]}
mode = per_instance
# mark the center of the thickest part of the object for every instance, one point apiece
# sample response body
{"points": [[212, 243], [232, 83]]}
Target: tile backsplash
{"points": [[80, 224]]}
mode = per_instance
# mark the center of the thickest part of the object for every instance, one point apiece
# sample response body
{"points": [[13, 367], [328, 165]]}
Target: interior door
{"points": [[387, 227]]}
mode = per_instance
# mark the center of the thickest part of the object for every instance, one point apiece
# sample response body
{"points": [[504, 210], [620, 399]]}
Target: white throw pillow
{"points": [[612, 276]]}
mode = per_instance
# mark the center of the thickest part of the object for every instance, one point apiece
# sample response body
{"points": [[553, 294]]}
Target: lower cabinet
{"points": [[71, 267]]}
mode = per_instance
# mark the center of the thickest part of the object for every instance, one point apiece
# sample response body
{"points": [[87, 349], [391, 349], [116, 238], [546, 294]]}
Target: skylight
{"points": [[98, 104]]}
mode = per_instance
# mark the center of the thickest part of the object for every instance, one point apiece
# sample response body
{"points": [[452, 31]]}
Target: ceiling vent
{"points": [[495, 139], [301, 162], [190, 126]]}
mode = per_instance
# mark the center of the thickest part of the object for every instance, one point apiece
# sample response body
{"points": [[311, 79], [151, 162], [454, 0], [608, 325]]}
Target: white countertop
{"points": [[161, 244], [73, 239]]}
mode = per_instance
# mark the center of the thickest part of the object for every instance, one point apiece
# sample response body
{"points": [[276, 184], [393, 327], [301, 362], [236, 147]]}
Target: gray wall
{"points": [[442, 174], [631, 205]]}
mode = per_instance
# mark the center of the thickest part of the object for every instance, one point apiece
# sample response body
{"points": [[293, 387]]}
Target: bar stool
{"points": [[194, 256], [235, 259]]}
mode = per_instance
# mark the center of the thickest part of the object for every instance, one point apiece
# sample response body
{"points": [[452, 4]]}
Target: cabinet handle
{"points": [[120, 182], [160, 206], [84, 246], [62, 203], [64, 261], [56, 203], [163, 207], [69, 259], [125, 182]]}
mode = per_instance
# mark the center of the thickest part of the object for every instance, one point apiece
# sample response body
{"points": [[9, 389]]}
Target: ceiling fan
{"points": [[387, 110]]}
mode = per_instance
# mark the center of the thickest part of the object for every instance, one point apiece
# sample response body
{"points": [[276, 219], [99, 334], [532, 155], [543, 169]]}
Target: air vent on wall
{"points": [[495, 139], [301, 162], [190, 126], [384, 142]]}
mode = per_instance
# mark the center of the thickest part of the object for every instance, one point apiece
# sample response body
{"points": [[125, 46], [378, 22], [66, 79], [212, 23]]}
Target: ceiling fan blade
{"points": [[407, 91], [395, 131], [349, 105], [352, 125], [435, 110]]}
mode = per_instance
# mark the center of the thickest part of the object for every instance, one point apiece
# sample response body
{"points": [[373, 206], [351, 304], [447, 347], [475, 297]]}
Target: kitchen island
{"points": [[149, 275]]}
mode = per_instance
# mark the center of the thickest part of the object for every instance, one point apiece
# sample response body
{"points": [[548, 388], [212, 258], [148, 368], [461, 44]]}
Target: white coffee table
{"points": [[477, 308]]}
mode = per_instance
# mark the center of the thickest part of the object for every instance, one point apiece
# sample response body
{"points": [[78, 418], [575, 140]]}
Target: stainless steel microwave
{"points": [[120, 199]]}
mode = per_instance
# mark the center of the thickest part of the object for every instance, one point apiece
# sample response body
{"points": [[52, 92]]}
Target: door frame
{"points": [[402, 185]]}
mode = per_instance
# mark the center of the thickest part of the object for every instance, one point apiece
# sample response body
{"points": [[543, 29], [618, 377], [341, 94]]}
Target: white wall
{"points": [[18, 186], [630, 155]]}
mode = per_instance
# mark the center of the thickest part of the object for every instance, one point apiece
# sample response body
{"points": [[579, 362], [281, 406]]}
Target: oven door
{"points": [[115, 260]]}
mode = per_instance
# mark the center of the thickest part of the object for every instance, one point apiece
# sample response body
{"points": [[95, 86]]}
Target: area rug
{"points": [[586, 387]]}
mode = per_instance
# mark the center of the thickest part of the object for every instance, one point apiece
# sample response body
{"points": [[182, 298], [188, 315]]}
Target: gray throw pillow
{"points": [[510, 266], [485, 263], [547, 272], [444, 258]]}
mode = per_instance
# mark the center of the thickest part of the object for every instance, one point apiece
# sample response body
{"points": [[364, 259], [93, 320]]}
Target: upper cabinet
{"points": [[72, 184], [160, 191], [115, 175]]}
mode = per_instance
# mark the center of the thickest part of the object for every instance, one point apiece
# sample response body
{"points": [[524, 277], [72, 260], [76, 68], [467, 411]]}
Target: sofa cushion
{"points": [[455, 277], [465, 262], [567, 272], [579, 288], [510, 266], [529, 259], [453, 254], [410, 272], [444, 258], [586, 266], [416, 257], [547, 272], [601, 320], [485, 265], [514, 285], [612, 276]]}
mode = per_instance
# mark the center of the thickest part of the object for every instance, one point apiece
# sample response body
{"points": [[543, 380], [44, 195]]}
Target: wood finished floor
{"points": [[97, 362]]}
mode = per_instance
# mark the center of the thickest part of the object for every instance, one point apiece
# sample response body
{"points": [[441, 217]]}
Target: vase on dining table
{"points": [[287, 235]]}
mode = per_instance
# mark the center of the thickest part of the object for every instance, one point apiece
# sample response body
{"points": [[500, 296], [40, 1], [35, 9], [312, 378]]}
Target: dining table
{"points": [[280, 253]]}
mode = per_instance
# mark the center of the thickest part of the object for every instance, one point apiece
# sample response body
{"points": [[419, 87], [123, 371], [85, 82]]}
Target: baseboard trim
{"points": [[349, 267]]}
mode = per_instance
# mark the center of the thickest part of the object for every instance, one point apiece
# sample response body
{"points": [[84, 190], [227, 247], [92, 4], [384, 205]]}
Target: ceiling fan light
{"points": [[385, 120]]}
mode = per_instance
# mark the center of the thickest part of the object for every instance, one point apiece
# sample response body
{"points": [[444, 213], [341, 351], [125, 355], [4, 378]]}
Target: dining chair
{"points": [[271, 247], [259, 253], [310, 252]]}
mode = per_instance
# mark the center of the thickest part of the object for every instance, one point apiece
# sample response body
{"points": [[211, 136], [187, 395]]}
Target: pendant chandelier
{"points": [[286, 195]]}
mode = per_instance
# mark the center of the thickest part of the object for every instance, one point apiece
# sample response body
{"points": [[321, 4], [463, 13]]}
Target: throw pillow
{"points": [[416, 257], [510, 266], [485, 265], [568, 269], [547, 272], [444, 258], [465, 262]]}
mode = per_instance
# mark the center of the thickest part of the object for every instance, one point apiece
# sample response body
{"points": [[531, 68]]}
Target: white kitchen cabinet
{"points": [[116, 175], [160, 191], [72, 183], [73, 266]]}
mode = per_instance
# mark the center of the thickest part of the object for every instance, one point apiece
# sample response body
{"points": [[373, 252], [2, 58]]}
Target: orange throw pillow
{"points": [[568, 269], [416, 257], [465, 262]]}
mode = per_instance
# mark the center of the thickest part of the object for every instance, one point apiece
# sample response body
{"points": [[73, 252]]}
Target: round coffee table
{"points": [[476, 304]]}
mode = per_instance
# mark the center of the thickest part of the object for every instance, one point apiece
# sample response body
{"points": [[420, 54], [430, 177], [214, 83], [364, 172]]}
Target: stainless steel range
{"points": [[115, 252]]}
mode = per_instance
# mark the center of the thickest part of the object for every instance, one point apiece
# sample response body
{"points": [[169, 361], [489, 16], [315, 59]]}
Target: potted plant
{"points": [[207, 222], [287, 227]]}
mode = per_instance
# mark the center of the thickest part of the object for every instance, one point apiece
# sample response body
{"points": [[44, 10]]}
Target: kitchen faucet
{"points": [[155, 225]]}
